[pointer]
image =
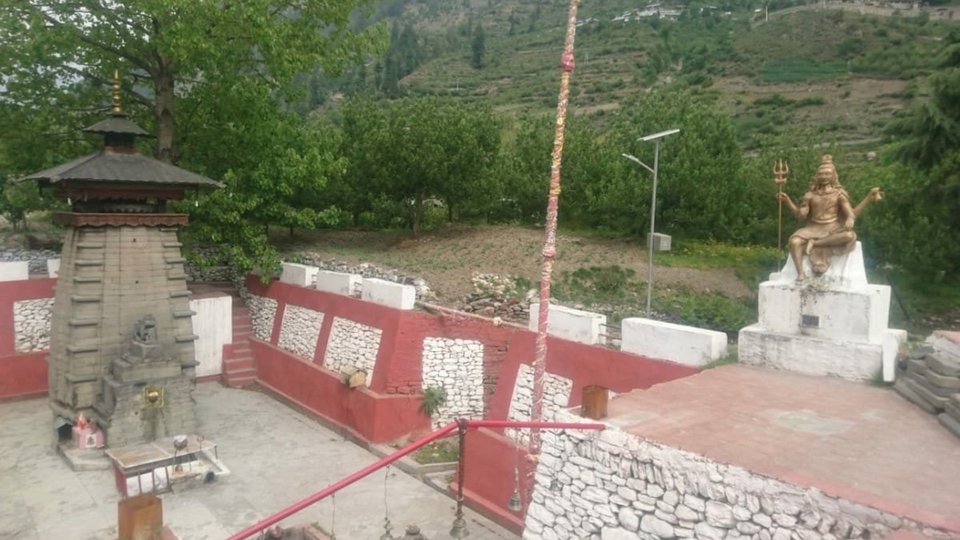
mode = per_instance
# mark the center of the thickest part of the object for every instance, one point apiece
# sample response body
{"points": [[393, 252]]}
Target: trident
{"points": [[780, 172]]}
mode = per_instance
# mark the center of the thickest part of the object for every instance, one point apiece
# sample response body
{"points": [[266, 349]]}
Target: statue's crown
{"points": [[826, 165]]}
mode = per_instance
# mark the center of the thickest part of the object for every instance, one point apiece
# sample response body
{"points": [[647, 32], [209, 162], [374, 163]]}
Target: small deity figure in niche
{"points": [[145, 330], [829, 218]]}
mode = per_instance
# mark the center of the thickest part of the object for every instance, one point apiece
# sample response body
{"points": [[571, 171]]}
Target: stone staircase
{"points": [[239, 367]]}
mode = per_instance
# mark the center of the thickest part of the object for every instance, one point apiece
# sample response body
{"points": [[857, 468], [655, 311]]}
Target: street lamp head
{"points": [[660, 135], [632, 158]]}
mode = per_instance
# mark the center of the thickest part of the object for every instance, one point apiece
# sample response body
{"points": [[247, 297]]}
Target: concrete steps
{"points": [[239, 364]]}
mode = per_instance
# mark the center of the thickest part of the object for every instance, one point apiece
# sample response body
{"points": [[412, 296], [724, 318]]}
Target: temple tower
{"points": [[122, 343]]}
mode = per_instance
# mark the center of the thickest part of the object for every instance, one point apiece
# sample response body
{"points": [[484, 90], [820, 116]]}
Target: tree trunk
{"points": [[163, 110], [417, 213]]}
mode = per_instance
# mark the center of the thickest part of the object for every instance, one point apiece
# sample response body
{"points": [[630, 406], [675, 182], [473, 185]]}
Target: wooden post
{"points": [[140, 518], [594, 404]]}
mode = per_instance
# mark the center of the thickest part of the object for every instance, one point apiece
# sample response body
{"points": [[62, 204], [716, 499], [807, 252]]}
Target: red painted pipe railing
{"points": [[446, 430]]}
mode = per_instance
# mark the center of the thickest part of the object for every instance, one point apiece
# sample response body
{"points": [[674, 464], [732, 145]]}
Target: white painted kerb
{"points": [[14, 271], [339, 282], [299, 274], [569, 323], [686, 345], [388, 293]]}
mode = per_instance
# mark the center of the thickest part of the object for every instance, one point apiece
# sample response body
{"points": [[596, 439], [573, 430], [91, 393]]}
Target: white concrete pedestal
{"points": [[835, 324]]}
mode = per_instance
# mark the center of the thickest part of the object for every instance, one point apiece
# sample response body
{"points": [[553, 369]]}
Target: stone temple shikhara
{"points": [[122, 341]]}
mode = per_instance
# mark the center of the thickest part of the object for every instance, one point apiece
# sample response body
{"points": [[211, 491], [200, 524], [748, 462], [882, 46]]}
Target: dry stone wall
{"points": [[456, 365], [262, 313], [300, 330], [613, 486], [31, 324], [556, 396], [352, 344]]}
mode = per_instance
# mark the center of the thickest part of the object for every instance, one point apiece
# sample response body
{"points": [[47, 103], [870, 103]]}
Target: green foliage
{"points": [[17, 200], [751, 263], [597, 284], [437, 452], [705, 310], [478, 47], [616, 292], [799, 70], [208, 81], [419, 152], [434, 397]]}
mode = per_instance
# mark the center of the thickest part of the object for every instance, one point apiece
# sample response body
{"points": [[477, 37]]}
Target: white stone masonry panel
{"points": [[31, 324], [456, 365], [556, 396], [613, 485], [352, 344], [299, 331], [262, 313]]}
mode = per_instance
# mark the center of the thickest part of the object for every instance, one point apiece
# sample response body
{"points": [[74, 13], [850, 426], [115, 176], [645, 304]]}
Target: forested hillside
{"points": [[414, 114]]}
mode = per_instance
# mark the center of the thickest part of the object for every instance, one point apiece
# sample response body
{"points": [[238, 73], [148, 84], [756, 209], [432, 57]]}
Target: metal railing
{"points": [[460, 426]]}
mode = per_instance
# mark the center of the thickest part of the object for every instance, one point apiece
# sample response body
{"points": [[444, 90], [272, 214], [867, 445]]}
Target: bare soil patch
{"points": [[448, 258]]}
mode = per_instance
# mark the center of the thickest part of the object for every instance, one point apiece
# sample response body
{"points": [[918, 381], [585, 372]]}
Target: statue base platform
{"points": [[834, 324], [809, 355]]}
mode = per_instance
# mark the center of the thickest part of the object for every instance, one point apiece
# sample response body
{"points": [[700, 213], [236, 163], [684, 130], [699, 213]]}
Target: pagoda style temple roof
{"points": [[117, 124], [111, 166]]}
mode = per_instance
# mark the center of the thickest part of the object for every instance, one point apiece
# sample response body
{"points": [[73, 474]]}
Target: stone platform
{"points": [[851, 441], [276, 455]]}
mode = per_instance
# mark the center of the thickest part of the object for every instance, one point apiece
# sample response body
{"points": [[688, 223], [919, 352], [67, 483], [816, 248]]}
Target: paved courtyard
{"points": [[855, 441], [275, 454]]}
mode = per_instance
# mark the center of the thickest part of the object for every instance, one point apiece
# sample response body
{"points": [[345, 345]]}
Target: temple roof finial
{"points": [[116, 92]]}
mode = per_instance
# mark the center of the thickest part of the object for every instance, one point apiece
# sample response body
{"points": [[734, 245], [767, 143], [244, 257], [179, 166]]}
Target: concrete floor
{"points": [[276, 456], [849, 440]]}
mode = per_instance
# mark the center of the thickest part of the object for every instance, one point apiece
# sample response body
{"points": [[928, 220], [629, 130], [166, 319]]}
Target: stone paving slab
{"points": [[276, 455], [854, 441]]}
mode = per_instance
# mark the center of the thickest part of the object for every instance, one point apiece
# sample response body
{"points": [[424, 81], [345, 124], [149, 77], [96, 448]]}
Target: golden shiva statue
{"points": [[828, 215]]}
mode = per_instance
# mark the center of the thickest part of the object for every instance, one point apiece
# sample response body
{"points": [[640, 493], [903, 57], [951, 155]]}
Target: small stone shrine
{"points": [[146, 393], [819, 315], [121, 263]]}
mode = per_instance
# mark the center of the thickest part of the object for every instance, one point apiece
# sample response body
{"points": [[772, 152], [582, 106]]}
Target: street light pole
{"points": [[653, 218], [653, 202]]}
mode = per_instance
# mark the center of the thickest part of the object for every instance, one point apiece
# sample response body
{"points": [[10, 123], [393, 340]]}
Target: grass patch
{"points": [[791, 70], [437, 452], [751, 264], [617, 293]]}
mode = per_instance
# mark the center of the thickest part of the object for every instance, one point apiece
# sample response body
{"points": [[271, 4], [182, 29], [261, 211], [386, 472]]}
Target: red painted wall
{"points": [[21, 374], [369, 415], [491, 457]]}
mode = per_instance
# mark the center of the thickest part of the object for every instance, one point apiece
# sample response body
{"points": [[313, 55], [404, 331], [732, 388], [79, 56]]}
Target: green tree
{"points": [[418, 150], [228, 66], [478, 47], [169, 47], [701, 193]]}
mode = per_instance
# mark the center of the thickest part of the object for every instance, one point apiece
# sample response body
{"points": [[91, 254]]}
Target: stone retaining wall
{"points": [[614, 485], [456, 365], [31, 324], [352, 344], [300, 330], [37, 258], [556, 396], [262, 313]]}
